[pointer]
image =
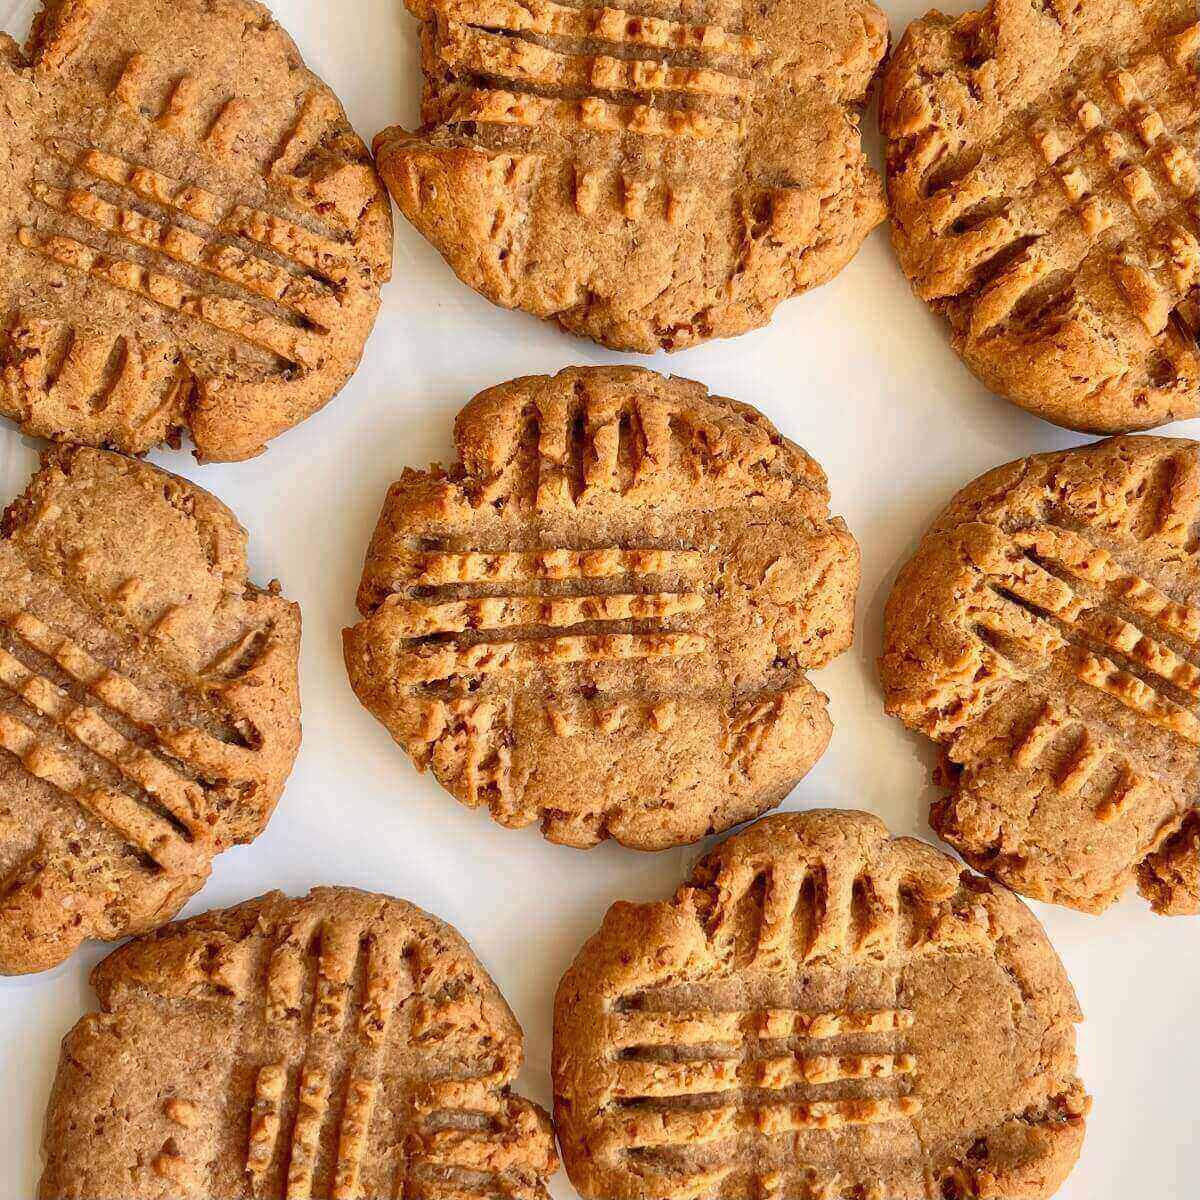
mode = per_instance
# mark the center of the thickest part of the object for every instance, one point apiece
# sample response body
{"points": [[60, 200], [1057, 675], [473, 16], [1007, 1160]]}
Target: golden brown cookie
{"points": [[149, 708], [192, 237], [648, 178], [821, 1011], [343, 1045], [601, 616], [1042, 174], [1047, 635]]}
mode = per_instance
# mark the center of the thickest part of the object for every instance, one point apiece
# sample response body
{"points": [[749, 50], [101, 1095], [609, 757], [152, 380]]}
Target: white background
{"points": [[860, 375]]}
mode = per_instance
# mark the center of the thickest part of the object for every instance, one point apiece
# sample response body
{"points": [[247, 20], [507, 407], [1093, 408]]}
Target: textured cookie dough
{"points": [[1042, 175], [600, 617], [821, 1011], [1047, 635], [344, 1045], [192, 237], [149, 706], [649, 178]]}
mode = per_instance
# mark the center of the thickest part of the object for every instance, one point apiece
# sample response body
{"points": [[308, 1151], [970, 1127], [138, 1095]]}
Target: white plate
{"points": [[859, 374]]}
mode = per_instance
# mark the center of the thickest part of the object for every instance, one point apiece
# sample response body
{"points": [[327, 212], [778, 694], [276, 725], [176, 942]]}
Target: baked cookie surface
{"points": [[192, 237], [149, 705], [1042, 176], [340, 1045], [1046, 634], [600, 617], [648, 178], [820, 1011]]}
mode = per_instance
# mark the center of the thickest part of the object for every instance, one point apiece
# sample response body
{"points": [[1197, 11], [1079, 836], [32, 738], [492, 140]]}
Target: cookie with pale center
{"points": [[192, 236], [820, 1010], [600, 618]]}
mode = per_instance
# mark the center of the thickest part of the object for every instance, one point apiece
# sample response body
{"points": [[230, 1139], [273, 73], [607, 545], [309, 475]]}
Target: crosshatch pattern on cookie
{"points": [[1065, 687], [649, 176], [1049, 209], [360, 1050], [146, 723], [621, 571], [180, 257], [782, 1028]]}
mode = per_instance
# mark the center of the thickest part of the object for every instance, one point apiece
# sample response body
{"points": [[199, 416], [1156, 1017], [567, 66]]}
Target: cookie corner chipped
{"points": [[1046, 634], [343, 1044], [195, 237], [149, 702], [600, 617], [649, 178], [1042, 170], [804, 1017]]}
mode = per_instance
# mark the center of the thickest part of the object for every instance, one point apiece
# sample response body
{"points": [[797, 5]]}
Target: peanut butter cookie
{"points": [[821, 1011], [1047, 635], [192, 237], [601, 616], [1042, 176], [149, 708], [342, 1045], [648, 178]]}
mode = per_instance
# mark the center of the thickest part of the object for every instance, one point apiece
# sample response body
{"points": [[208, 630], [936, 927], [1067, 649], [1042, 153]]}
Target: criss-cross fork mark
{"points": [[458, 1136], [1115, 161], [733, 1061], [423, 621], [166, 814]]}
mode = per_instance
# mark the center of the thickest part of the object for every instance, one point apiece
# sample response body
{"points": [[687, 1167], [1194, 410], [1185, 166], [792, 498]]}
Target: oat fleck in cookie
{"points": [[821, 1011], [1047, 635], [192, 237], [650, 177], [149, 708], [343, 1045], [601, 616], [1042, 173]]}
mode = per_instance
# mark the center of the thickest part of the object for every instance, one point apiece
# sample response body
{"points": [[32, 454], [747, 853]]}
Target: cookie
{"points": [[192, 237], [1046, 634], [821, 1011], [1042, 175], [149, 707], [649, 178], [601, 615], [343, 1045]]}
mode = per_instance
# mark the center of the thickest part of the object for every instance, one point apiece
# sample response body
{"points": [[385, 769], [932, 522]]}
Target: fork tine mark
{"points": [[233, 317], [414, 618], [596, 24], [312, 1104], [428, 664], [225, 262], [265, 1117], [138, 825], [352, 1138]]}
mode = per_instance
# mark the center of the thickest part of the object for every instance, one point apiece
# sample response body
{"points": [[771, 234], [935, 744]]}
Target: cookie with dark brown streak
{"points": [[149, 706], [192, 237], [1047, 635], [1042, 175], [342, 1045], [651, 177], [820, 1011], [601, 616]]}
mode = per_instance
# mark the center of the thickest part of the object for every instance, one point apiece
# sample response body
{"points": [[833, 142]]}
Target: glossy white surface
{"points": [[858, 373]]}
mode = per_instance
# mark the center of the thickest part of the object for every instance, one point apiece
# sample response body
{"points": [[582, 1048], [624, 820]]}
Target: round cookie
{"points": [[649, 178], [819, 1011], [1047, 635], [1042, 170], [601, 616], [192, 237], [149, 704], [341, 1045]]}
